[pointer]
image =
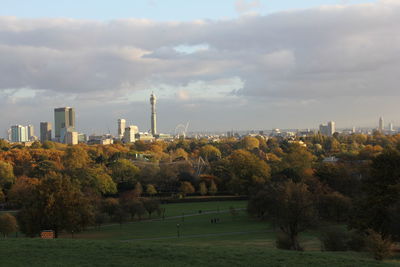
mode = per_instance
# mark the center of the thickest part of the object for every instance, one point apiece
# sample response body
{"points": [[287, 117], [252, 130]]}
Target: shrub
{"points": [[334, 239], [379, 247], [283, 241], [8, 224], [356, 241]]}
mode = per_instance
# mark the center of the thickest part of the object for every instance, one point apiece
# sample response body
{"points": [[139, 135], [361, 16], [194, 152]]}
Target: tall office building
{"points": [[153, 114], [381, 125], [31, 132], [130, 132], [121, 128], [391, 128], [45, 131], [64, 121], [328, 129], [19, 133]]}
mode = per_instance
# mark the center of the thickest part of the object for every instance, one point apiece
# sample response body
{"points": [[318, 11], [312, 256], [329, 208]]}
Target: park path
{"points": [[194, 236], [174, 217]]}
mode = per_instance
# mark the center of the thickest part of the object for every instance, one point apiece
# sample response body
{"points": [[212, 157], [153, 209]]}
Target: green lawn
{"points": [[233, 241], [64, 252]]}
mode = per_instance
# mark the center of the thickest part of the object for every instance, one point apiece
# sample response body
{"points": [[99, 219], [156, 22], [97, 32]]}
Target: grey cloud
{"points": [[316, 55]]}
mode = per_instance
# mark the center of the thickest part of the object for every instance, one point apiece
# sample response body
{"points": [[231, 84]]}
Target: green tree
{"points": [[6, 174], [96, 179], [8, 224], [203, 189], [380, 204], [124, 174]]}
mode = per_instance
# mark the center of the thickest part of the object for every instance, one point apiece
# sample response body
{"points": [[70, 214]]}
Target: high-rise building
{"points": [[153, 114], [64, 118], [19, 133], [129, 135], [381, 125], [31, 132], [391, 128], [45, 131], [121, 128], [327, 129]]}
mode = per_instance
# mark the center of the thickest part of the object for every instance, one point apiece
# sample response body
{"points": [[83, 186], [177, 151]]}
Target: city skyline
{"points": [[272, 69]]}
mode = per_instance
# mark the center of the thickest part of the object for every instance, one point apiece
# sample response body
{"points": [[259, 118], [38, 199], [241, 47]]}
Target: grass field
{"points": [[64, 252], [233, 241]]}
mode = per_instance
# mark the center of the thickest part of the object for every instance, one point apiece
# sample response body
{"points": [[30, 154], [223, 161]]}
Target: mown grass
{"points": [[233, 241], [65, 252]]}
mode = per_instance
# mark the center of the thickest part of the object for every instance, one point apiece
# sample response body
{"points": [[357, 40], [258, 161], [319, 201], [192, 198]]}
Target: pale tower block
{"points": [[121, 128]]}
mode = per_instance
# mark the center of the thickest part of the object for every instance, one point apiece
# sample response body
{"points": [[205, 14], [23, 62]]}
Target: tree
{"points": [[96, 179], [151, 190], [138, 190], [247, 171], [151, 206], [6, 174], [2, 196], [210, 153], [203, 189], [213, 188], [290, 206], [75, 157], [249, 143], [56, 203], [110, 205], [124, 174], [8, 224], [186, 188], [378, 208]]}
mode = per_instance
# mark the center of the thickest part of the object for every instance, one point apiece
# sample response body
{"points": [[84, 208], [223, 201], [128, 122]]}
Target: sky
{"points": [[219, 65]]}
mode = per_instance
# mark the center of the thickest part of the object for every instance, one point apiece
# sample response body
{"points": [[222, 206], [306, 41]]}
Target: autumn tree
{"points": [[6, 174], [210, 153], [250, 143], [151, 190], [213, 188], [186, 188], [247, 171], [56, 203], [290, 205], [203, 189], [8, 224]]}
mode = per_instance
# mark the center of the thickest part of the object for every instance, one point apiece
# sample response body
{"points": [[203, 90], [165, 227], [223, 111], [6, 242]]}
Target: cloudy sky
{"points": [[219, 65]]}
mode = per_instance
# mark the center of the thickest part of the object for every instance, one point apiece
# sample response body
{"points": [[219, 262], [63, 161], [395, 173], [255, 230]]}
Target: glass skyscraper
{"points": [[64, 120]]}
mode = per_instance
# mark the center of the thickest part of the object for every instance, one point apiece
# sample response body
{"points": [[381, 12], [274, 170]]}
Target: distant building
{"points": [[327, 129], [31, 133], [130, 132], [100, 140], [45, 131], [391, 128], [145, 137], [121, 128], [82, 138], [19, 133], [381, 126], [64, 118], [71, 138]]}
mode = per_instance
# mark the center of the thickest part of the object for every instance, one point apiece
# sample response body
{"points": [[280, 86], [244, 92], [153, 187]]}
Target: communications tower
{"points": [[153, 114]]}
